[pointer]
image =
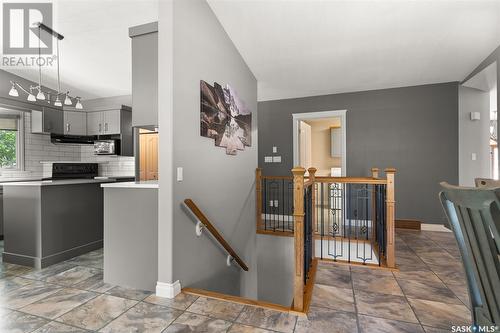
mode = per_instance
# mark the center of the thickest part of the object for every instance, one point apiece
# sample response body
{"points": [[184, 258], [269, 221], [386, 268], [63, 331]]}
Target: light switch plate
{"points": [[473, 156], [275, 150], [180, 175], [268, 159], [277, 159]]}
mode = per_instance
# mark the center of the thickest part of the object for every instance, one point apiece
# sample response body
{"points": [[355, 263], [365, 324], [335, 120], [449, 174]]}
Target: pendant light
{"points": [[31, 97], [40, 94], [13, 90], [78, 103], [67, 100], [58, 100]]}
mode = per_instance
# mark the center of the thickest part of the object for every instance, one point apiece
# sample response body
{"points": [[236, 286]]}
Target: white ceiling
{"points": [[304, 48], [96, 51]]}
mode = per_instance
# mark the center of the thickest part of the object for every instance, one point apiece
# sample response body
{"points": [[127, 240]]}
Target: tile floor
{"points": [[427, 295]]}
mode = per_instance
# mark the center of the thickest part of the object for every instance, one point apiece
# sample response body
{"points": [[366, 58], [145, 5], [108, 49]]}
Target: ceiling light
{"points": [[13, 91], [67, 100], [40, 95], [78, 103], [31, 97], [58, 101]]}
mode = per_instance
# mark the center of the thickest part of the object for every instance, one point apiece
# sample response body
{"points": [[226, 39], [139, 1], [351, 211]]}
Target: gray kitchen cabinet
{"points": [[144, 74], [104, 122], [47, 121], [111, 121], [75, 123], [336, 141], [94, 123]]}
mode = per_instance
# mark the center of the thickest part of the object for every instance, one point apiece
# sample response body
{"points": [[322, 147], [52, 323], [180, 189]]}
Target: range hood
{"points": [[72, 139]]}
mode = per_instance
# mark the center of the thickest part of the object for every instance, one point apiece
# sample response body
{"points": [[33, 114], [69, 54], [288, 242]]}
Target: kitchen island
{"points": [[131, 234], [49, 221]]}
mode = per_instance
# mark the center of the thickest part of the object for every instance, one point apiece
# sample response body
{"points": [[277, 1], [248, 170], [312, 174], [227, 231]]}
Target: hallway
{"points": [[428, 294]]}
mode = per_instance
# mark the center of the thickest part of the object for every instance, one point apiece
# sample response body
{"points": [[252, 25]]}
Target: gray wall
{"points": [[493, 57], [473, 135], [276, 269], [221, 185], [414, 129]]}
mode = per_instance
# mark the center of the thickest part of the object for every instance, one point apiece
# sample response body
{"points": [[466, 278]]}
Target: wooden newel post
{"points": [[391, 213], [298, 218], [312, 177], [258, 197], [374, 172]]}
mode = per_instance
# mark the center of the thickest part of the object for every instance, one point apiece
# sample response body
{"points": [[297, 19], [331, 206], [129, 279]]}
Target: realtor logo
{"points": [[20, 34]]}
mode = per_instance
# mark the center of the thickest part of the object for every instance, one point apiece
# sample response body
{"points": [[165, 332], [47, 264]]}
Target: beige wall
{"points": [[321, 151]]}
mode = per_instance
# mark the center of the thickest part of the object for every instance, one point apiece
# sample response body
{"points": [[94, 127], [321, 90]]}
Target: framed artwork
{"points": [[224, 117]]}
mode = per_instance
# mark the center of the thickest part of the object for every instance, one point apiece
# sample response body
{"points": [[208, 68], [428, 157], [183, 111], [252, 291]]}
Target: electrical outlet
{"points": [[268, 159], [275, 150], [275, 203], [473, 156], [271, 202], [276, 159]]}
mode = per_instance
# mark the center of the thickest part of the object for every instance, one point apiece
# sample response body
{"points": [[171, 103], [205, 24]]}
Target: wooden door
{"points": [[305, 145], [148, 159]]}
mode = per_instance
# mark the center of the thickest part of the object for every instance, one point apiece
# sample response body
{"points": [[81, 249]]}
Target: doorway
{"points": [[319, 140], [148, 155]]}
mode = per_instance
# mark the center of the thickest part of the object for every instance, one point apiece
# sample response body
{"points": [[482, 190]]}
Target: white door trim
{"points": [[296, 117]]}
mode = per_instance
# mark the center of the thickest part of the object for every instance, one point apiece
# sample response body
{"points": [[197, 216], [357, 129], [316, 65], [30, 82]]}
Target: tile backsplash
{"points": [[39, 148], [109, 165]]}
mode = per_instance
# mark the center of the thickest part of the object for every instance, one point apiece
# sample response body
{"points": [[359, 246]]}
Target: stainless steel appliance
{"points": [[106, 147]]}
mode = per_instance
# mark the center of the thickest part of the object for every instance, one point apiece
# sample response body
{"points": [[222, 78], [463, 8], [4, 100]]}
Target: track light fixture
{"points": [[41, 95]]}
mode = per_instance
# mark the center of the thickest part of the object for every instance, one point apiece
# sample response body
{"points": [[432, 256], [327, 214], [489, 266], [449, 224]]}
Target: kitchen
{"points": [[67, 158]]}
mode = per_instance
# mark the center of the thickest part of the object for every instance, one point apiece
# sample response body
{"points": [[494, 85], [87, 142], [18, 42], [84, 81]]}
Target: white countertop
{"points": [[141, 184], [58, 182], [18, 179], [52, 162]]}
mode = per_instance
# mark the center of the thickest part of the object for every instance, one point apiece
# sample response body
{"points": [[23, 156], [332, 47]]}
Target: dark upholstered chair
{"points": [[474, 216]]}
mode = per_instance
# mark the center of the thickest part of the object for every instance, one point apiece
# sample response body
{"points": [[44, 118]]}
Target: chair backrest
{"points": [[474, 216], [486, 182]]}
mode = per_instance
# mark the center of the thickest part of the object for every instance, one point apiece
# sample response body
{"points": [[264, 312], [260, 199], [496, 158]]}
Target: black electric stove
{"points": [[74, 171]]}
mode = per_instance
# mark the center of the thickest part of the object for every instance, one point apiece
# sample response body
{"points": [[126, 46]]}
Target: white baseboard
{"points": [[168, 290], [434, 227]]}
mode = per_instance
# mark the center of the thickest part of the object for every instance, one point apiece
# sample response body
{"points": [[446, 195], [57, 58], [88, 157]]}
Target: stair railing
{"points": [[204, 223]]}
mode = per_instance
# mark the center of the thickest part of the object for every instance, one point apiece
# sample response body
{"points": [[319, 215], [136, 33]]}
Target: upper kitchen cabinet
{"points": [[144, 74], [109, 122], [75, 123], [47, 121]]}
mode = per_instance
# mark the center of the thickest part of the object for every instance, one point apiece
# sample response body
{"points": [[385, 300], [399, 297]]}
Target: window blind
{"points": [[8, 123]]}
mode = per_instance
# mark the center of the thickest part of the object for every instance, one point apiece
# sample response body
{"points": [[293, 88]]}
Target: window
{"points": [[11, 140]]}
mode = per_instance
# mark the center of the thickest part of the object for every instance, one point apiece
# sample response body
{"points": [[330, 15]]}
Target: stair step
{"points": [[241, 300]]}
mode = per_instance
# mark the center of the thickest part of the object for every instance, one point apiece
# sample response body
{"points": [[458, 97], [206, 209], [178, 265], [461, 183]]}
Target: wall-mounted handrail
{"points": [[210, 227]]}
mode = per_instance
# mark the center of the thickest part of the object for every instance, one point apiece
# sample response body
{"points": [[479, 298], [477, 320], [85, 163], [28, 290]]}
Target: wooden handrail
{"points": [[351, 180], [204, 220], [277, 177]]}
